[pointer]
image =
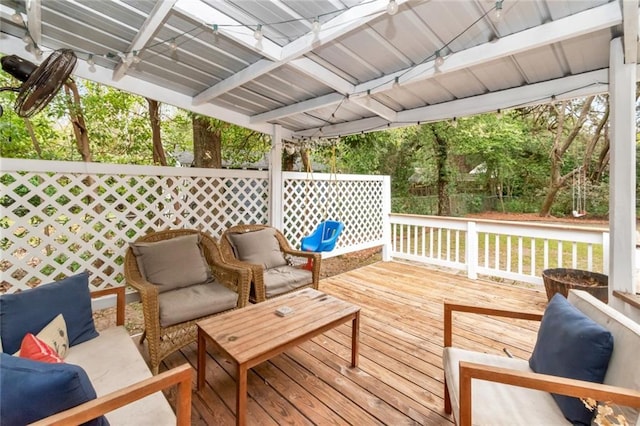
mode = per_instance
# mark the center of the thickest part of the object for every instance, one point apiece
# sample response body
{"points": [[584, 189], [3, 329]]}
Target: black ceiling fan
{"points": [[39, 83]]}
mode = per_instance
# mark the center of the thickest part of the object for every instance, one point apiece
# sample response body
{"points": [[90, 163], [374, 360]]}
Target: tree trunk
{"points": [[77, 120], [159, 156], [288, 162], [207, 143], [561, 144], [442, 152], [306, 160], [32, 135]]}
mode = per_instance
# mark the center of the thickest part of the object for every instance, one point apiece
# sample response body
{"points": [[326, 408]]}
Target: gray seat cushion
{"points": [[494, 401], [196, 301], [285, 278]]}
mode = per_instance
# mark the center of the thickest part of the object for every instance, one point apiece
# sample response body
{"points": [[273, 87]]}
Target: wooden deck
{"points": [[399, 379]]}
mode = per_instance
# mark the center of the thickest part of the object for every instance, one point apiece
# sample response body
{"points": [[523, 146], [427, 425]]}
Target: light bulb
{"points": [[396, 83], [17, 18], [499, 113], [135, 59], [499, 9], [27, 38], [346, 99], [215, 28], [173, 45], [392, 7], [439, 61], [257, 34], [454, 122], [37, 52], [315, 28], [90, 61]]}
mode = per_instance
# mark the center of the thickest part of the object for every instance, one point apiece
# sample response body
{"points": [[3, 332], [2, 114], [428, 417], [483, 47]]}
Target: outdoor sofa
{"points": [[106, 364], [579, 337]]}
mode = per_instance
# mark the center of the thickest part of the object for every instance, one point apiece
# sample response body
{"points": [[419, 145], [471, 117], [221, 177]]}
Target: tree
{"points": [[154, 120], [207, 143], [77, 120]]}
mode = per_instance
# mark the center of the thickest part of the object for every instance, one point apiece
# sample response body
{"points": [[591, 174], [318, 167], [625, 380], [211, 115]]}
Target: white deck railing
{"points": [[508, 250]]}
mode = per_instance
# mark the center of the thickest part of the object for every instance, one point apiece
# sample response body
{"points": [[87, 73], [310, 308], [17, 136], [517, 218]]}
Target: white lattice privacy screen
{"points": [[360, 202], [59, 218]]}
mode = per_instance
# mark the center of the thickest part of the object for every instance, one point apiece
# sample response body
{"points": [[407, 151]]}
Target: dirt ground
{"points": [[134, 321]]}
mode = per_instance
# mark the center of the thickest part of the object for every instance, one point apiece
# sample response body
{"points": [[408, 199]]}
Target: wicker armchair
{"points": [[164, 339], [267, 281]]}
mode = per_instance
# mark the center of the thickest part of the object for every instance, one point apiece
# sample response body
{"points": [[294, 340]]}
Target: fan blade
{"points": [[43, 84]]}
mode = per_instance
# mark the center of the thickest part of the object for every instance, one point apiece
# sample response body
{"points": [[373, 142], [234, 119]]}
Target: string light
{"points": [[439, 61], [90, 61], [27, 38], [499, 9], [257, 34], [315, 27], [454, 122], [173, 45], [214, 27], [17, 18], [135, 59], [499, 113], [396, 83], [392, 7]]}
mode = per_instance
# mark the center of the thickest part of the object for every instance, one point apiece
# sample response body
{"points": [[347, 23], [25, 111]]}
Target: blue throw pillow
{"points": [[31, 310], [31, 390], [572, 345]]}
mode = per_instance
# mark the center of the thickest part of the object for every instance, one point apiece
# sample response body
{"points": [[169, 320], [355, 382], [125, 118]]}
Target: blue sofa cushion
{"points": [[571, 345], [31, 310], [31, 390]]}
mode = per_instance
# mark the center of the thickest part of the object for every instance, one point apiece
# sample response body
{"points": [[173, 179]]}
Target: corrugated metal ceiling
{"points": [[342, 79]]}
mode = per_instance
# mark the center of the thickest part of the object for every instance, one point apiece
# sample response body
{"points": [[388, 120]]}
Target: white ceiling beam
{"points": [[572, 26], [322, 75], [376, 107], [34, 21], [594, 82], [630, 20], [296, 108], [553, 32], [156, 17], [342, 24], [15, 46]]}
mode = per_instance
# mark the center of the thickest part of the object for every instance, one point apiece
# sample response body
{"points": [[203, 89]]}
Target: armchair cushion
{"points": [[284, 279], [196, 301], [258, 247], [157, 262], [31, 310], [570, 344], [31, 390]]}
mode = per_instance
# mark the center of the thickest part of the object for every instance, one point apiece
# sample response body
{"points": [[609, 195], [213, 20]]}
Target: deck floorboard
{"points": [[399, 379]]}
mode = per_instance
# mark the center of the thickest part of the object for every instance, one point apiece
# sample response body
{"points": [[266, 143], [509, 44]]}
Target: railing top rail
{"points": [[46, 166], [504, 223], [329, 176]]}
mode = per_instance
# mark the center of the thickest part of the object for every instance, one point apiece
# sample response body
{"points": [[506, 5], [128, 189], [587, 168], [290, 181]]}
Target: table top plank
{"points": [[257, 332]]}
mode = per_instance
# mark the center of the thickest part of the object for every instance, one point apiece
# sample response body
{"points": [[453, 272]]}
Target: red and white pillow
{"points": [[37, 350], [49, 345]]}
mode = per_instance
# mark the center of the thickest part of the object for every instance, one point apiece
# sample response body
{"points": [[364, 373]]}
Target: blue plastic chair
{"points": [[324, 238]]}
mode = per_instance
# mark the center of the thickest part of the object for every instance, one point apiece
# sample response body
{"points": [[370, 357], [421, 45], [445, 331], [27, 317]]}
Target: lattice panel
{"points": [[356, 203], [57, 224]]}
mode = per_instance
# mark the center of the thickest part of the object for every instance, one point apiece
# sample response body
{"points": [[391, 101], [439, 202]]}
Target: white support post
{"points": [[386, 221], [275, 179], [622, 213], [471, 251]]}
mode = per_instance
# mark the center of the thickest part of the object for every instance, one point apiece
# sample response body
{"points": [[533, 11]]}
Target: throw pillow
{"points": [[31, 390], [31, 310], [55, 336], [37, 350], [174, 263], [259, 247], [572, 345]]}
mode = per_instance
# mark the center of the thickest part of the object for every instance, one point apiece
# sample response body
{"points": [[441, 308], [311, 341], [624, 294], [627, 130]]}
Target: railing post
{"points": [[471, 251], [386, 221], [276, 180]]}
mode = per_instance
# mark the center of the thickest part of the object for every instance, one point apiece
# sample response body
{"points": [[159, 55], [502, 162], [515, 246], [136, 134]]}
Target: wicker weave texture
{"points": [[162, 341], [257, 271]]}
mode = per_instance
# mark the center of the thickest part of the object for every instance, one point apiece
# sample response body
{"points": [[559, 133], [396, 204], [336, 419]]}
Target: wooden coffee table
{"points": [[255, 334]]}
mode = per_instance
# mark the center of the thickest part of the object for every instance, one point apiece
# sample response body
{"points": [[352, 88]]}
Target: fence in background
{"points": [[508, 250], [59, 218]]}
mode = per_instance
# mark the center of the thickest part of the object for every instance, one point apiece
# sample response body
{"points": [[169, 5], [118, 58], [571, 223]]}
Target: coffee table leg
{"points": [[355, 339], [202, 350], [241, 397]]}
